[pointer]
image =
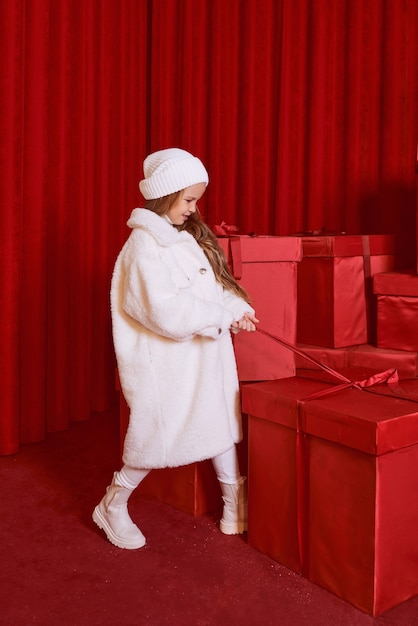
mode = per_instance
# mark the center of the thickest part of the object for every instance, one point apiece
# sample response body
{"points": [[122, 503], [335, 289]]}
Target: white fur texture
{"points": [[171, 322]]}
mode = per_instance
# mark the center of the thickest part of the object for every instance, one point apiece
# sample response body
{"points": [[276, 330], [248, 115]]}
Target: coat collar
{"points": [[163, 232]]}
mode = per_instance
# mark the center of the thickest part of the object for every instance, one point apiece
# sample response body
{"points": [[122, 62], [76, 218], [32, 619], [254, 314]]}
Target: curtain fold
{"points": [[33, 226], [10, 153], [304, 112]]}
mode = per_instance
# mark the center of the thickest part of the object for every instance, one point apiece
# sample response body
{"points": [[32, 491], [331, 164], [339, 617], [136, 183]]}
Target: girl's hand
{"points": [[247, 322]]}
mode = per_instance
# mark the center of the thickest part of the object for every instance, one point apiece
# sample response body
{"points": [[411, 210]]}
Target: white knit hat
{"points": [[171, 170]]}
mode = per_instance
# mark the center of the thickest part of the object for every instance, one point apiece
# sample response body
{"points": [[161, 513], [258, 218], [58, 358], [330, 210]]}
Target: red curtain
{"points": [[304, 111]]}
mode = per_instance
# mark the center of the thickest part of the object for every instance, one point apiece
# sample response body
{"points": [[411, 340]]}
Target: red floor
{"points": [[57, 568]]}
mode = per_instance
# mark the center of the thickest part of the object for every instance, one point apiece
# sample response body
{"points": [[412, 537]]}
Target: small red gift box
{"points": [[267, 268], [335, 303], [332, 487], [365, 355], [397, 310]]}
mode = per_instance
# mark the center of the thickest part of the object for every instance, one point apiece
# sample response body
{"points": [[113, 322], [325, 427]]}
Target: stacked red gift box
{"points": [[268, 268], [332, 479]]}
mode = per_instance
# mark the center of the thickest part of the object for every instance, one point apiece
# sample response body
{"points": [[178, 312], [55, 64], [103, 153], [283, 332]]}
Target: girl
{"points": [[174, 304]]}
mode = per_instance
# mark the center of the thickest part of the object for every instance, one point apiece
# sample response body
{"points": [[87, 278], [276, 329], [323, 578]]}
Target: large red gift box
{"points": [[335, 303], [267, 268], [365, 355], [397, 310], [333, 485]]}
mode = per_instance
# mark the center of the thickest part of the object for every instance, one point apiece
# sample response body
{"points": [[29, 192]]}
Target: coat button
{"points": [[202, 270], [219, 331]]}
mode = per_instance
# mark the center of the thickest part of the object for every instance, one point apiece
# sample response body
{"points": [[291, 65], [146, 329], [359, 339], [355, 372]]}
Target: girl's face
{"points": [[186, 204]]}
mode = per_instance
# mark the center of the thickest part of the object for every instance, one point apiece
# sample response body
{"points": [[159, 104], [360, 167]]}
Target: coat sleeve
{"points": [[151, 296], [236, 305]]}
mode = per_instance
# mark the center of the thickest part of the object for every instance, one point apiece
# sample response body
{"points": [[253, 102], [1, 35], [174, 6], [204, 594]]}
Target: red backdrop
{"points": [[304, 112]]}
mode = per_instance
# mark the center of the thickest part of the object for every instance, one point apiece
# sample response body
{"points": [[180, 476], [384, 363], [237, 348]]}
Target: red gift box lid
{"points": [[371, 423], [347, 245], [263, 248], [240, 250], [396, 284]]}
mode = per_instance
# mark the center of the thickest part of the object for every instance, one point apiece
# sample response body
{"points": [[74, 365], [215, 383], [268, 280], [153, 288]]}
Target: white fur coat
{"points": [[171, 322]]}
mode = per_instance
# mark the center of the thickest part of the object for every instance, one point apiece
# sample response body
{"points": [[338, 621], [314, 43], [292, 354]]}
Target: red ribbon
{"points": [[225, 230], [389, 376]]}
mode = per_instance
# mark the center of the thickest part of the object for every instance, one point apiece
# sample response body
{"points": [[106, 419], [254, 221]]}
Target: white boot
{"points": [[111, 515], [234, 515]]}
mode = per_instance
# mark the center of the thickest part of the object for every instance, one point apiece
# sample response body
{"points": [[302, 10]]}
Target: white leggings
{"points": [[225, 464]]}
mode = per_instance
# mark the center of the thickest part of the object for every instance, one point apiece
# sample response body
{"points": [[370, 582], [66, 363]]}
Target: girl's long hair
{"points": [[207, 241]]}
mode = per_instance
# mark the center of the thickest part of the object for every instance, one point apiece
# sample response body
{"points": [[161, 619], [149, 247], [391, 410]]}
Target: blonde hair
{"points": [[207, 241]]}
